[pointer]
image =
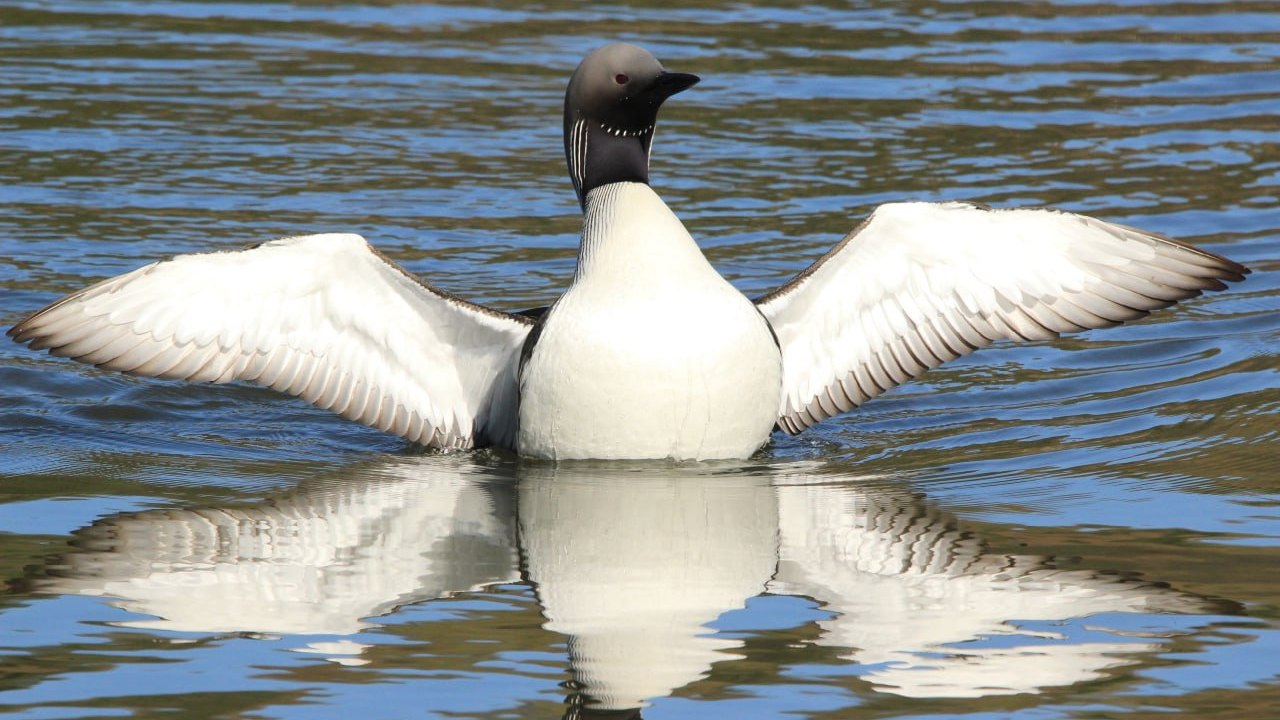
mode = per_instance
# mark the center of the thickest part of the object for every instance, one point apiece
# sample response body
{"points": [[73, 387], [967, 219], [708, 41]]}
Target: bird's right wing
{"points": [[324, 317]]}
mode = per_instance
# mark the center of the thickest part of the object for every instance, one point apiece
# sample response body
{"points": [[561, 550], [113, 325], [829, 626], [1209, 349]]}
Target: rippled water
{"points": [[1081, 528]]}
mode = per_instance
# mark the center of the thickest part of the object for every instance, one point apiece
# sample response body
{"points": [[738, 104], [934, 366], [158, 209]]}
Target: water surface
{"points": [[1065, 529]]}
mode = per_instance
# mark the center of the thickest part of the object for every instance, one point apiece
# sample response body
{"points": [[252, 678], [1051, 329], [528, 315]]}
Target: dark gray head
{"points": [[609, 112]]}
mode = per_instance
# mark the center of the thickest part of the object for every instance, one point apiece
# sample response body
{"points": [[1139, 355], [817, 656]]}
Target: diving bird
{"points": [[649, 353]]}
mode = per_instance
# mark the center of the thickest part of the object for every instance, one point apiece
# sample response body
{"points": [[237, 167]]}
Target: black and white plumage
{"points": [[919, 284], [649, 353], [322, 317]]}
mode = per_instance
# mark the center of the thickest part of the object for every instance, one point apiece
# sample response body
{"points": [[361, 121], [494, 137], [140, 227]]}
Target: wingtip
{"points": [[1229, 270], [22, 332]]}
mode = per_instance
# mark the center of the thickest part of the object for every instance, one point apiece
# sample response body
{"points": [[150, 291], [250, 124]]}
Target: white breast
{"points": [[650, 353]]}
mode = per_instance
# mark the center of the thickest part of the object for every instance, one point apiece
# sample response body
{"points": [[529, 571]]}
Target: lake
{"points": [[1081, 528]]}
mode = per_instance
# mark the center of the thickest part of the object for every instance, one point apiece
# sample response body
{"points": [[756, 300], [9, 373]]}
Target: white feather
{"points": [[929, 282], [323, 317]]}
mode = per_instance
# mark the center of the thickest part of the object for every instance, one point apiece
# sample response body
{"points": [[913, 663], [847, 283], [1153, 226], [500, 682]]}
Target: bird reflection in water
{"points": [[630, 563]]}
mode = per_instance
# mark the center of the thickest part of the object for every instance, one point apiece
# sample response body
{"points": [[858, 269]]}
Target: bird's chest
{"points": [[690, 373]]}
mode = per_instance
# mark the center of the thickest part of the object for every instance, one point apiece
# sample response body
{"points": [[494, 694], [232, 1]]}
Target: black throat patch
{"points": [[598, 154]]}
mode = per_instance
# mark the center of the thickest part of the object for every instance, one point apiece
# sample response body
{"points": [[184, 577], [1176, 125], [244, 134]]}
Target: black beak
{"points": [[670, 83]]}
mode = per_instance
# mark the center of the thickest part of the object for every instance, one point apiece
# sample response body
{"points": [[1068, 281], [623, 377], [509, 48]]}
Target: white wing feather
{"points": [[322, 317], [919, 284]]}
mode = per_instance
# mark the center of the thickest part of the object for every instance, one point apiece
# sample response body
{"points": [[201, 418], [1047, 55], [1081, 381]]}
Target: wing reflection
{"points": [[632, 564], [932, 612], [315, 561]]}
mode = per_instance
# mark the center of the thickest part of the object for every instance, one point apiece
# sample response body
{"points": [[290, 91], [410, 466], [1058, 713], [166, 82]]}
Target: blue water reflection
{"points": [[645, 576]]}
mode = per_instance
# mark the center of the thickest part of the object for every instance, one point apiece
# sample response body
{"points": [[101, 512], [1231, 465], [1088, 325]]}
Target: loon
{"points": [[649, 353]]}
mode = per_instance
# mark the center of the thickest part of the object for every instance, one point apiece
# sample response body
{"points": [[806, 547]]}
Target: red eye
{"points": [[621, 79]]}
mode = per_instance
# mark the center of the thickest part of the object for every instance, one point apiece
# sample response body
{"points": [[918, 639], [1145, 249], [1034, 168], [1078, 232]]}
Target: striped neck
{"points": [[598, 155], [629, 235]]}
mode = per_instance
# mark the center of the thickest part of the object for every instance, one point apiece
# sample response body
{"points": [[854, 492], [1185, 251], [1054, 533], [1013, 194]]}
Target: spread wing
{"points": [[323, 317], [919, 284]]}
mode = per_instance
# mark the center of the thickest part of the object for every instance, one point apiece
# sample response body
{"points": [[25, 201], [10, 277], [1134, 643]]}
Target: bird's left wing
{"points": [[323, 317], [919, 284]]}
